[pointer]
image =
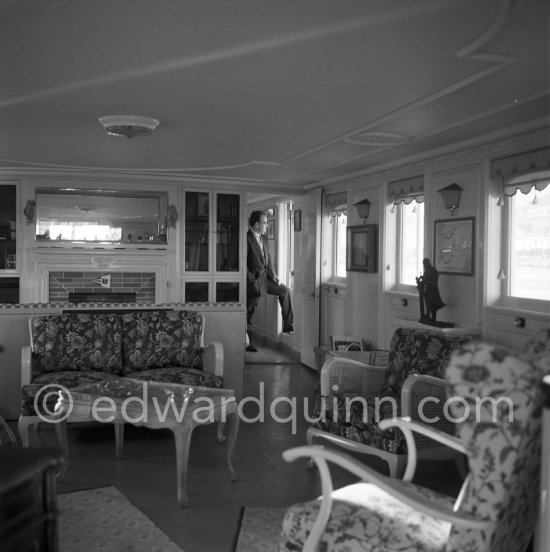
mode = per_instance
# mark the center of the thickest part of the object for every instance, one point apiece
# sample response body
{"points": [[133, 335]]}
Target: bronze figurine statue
{"points": [[430, 300]]}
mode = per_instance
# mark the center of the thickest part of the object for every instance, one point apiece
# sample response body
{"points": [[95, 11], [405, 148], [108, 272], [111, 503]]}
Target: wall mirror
{"points": [[101, 216]]}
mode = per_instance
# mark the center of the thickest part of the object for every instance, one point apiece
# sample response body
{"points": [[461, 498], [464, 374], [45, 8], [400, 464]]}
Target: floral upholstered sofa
{"points": [[74, 349], [355, 397]]}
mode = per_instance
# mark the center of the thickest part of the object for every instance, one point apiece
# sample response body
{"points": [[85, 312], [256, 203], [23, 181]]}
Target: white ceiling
{"points": [[275, 94]]}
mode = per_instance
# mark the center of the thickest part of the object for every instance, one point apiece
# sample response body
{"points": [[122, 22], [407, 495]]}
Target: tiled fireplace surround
{"points": [[54, 273], [60, 284]]}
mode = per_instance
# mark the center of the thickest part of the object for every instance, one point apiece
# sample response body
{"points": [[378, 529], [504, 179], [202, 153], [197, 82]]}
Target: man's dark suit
{"points": [[261, 279]]}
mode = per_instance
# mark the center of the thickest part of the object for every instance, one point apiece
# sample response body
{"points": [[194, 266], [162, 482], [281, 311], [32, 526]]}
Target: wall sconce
{"points": [[451, 196], [363, 208]]}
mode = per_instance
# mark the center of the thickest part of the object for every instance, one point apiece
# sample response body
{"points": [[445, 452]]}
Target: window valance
{"points": [[335, 201], [407, 190], [523, 171], [336, 204]]}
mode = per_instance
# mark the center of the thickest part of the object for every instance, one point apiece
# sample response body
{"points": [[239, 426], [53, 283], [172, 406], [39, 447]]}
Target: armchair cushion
{"points": [[346, 416], [364, 517], [76, 341], [414, 351], [157, 339]]}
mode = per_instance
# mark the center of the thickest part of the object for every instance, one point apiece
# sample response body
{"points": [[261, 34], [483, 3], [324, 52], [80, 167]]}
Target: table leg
{"points": [[221, 436], [119, 439], [62, 439], [233, 423], [182, 435]]}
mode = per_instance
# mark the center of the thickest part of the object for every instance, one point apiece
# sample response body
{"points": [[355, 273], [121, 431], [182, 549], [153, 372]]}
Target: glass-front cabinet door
{"points": [[228, 232], [212, 268], [196, 292], [8, 218], [197, 231]]}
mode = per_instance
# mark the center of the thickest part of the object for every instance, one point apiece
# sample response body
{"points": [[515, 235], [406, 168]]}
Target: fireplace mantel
{"points": [[43, 262]]}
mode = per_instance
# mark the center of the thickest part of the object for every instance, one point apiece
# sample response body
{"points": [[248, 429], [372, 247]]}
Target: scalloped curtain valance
{"points": [[523, 171], [407, 190], [336, 204]]}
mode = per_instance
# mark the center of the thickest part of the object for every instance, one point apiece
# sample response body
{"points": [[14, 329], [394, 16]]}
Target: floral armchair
{"points": [[496, 400], [355, 397]]}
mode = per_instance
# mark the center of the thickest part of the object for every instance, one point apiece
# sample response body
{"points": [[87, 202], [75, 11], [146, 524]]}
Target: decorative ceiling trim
{"points": [[247, 49], [470, 51], [377, 139]]}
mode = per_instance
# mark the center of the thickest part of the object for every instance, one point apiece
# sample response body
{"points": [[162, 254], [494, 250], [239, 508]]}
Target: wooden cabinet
{"points": [[213, 238], [9, 279], [28, 521]]}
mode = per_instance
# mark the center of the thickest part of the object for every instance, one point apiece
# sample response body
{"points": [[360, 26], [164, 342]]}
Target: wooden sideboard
{"points": [[28, 503]]}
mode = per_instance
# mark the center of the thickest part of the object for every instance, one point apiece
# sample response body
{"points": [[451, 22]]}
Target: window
{"points": [[404, 232], [410, 238], [335, 216], [524, 273], [529, 245], [339, 225]]}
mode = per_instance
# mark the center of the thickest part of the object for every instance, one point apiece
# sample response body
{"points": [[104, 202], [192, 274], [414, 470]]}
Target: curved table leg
{"points": [[221, 436], [119, 439], [63, 440], [182, 435], [233, 423]]}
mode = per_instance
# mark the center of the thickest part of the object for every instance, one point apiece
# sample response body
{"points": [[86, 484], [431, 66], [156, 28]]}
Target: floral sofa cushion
{"points": [[158, 339], [76, 341], [36, 396], [188, 376]]}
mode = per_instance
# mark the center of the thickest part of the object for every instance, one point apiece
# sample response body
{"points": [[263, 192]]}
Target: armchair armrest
{"points": [[212, 358], [26, 374], [350, 376], [394, 487], [407, 426]]}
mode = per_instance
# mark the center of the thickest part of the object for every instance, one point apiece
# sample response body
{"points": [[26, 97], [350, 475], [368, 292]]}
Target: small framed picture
{"points": [[271, 229], [454, 246], [298, 220], [361, 254]]}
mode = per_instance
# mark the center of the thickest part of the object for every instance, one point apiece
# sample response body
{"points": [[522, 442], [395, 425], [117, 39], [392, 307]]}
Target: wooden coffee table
{"points": [[179, 408]]}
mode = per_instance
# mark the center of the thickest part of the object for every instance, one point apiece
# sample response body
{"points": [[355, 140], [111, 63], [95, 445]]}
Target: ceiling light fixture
{"points": [[128, 125]]}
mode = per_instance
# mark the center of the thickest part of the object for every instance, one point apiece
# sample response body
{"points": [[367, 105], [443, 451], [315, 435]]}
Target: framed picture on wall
{"points": [[298, 220], [271, 229], [361, 248], [454, 246]]}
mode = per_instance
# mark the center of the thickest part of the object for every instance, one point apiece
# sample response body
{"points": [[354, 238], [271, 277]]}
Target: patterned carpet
{"points": [[105, 520], [260, 529]]}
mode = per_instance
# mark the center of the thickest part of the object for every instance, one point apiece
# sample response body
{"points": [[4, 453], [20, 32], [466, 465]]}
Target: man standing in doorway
{"points": [[261, 277]]}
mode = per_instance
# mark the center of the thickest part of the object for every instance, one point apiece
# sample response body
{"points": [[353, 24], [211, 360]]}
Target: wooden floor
{"points": [[147, 474]]}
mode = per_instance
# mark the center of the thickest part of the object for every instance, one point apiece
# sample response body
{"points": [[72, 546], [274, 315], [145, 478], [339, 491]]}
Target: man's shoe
{"points": [[288, 330], [251, 349]]}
